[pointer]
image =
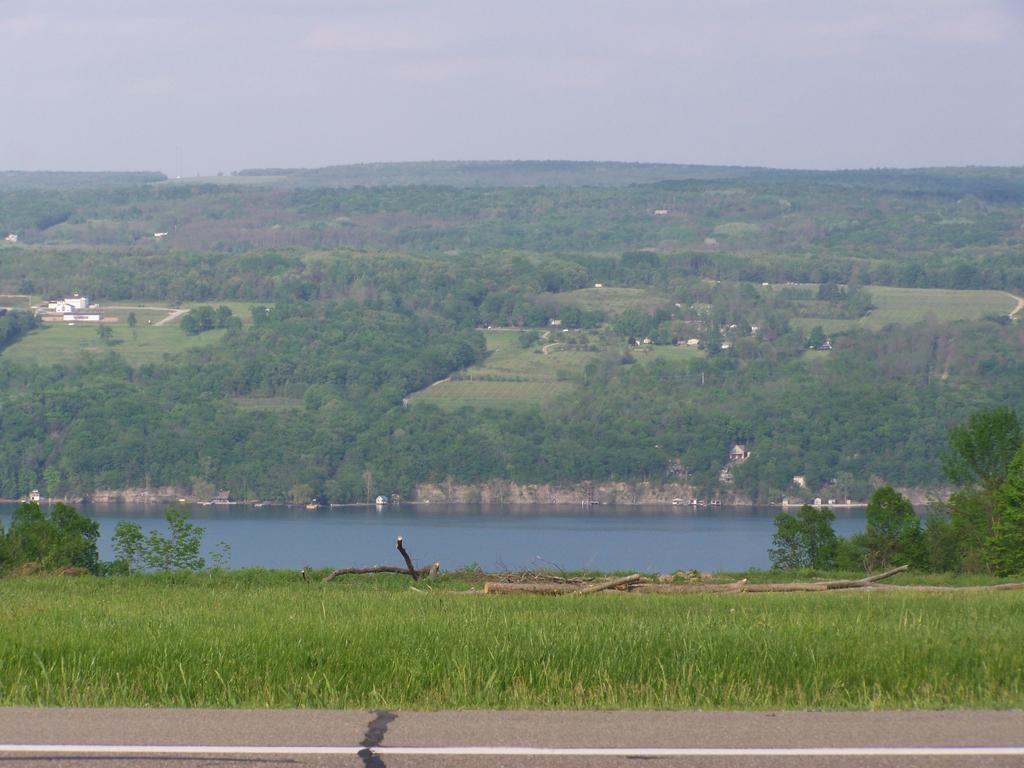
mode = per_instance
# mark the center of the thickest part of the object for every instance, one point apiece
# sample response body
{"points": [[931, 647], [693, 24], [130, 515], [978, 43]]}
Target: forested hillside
{"points": [[835, 324]]}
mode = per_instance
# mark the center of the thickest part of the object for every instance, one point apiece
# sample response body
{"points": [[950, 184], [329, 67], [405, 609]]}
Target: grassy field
{"points": [[493, 394], [511, 376], [57, 342], [611, 300], [15, 300], [911, 305], [244, 639], [146, 311], [651, 353]]}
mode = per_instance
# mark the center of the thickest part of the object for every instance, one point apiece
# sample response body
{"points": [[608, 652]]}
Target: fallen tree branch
{"points": [[536, 588], [854, 583], [560, 588], [636, 583], [633, 578], [823, 586], [408, 560], [938, 588], [430, 570], [736, 586]]}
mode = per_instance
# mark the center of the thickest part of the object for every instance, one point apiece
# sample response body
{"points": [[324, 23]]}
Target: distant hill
{"points": [[513, 173], [75, 179], [986, 183]]}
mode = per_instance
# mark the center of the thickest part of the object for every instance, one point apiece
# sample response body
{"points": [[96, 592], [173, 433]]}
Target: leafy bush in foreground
{"points": [[62, 539]]}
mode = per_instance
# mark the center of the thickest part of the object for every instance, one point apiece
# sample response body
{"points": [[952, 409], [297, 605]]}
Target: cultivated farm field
{"points": [[611, 300], [511, 376], [158, 333], [912, 305], [60, 343]]}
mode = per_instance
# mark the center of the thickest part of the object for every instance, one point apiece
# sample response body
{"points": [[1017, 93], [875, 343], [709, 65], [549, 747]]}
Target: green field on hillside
{"points": [[60, 343], [15, 300], [650, 353], [511, 376], [251, 640], [912, 305], [610, 300], [157, 310], [493, 394]]}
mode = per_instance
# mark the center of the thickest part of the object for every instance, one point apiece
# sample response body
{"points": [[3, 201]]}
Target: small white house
{"points": [[33, 495], [381, 501], [68, 305], [159, 235], [11, 238], [598, 285], [661, 212], [693, 342]]}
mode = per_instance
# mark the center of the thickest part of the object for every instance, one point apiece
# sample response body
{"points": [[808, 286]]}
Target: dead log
{"points": [[535, 588], [430, 570], [792, 586], [823, 586], [734, 587], [633, 578], [636, 583], [408, 560], [559, 588], [867, 580], [938, 588]]}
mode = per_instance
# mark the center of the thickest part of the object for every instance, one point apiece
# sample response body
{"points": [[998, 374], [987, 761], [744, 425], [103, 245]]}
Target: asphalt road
{"points": [[382, 739]]}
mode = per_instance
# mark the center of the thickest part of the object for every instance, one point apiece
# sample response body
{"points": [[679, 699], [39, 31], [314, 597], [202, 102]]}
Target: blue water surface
{"points": [[641, 538]]}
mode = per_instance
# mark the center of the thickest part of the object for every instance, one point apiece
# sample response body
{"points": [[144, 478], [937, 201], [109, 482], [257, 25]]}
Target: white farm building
{"points": [[68, 306]]}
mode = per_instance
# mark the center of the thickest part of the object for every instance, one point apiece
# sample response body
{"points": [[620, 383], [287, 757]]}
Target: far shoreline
{"points": [[257, 504]]}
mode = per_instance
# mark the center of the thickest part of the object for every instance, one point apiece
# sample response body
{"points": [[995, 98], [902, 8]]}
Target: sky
{"points": [[188, 87]]}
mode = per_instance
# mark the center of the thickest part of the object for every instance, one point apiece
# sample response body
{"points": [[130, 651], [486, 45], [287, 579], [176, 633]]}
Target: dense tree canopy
{"points": [[367, 294]]}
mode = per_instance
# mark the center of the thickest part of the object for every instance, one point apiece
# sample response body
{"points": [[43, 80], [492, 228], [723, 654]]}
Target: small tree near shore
{"points": [[893, 535], [1006, 545], [181, 551], [806, 540]]}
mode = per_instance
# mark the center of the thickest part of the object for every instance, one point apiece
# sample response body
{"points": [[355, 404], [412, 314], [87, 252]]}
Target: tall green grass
{"points": [[251, 641]]}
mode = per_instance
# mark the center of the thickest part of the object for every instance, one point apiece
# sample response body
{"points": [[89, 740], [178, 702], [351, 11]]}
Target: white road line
{"points": [[190, 749]]}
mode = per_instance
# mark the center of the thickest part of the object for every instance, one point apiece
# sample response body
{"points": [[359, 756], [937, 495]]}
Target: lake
{"points": [[642, 538]]}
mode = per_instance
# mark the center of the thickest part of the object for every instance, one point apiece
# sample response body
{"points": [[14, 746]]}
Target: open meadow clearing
{"points": [[157, 334], [912, 305], [672, 354], [61, 343], [513, 376], [260, 639], [16, 300], [611, 300]]}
